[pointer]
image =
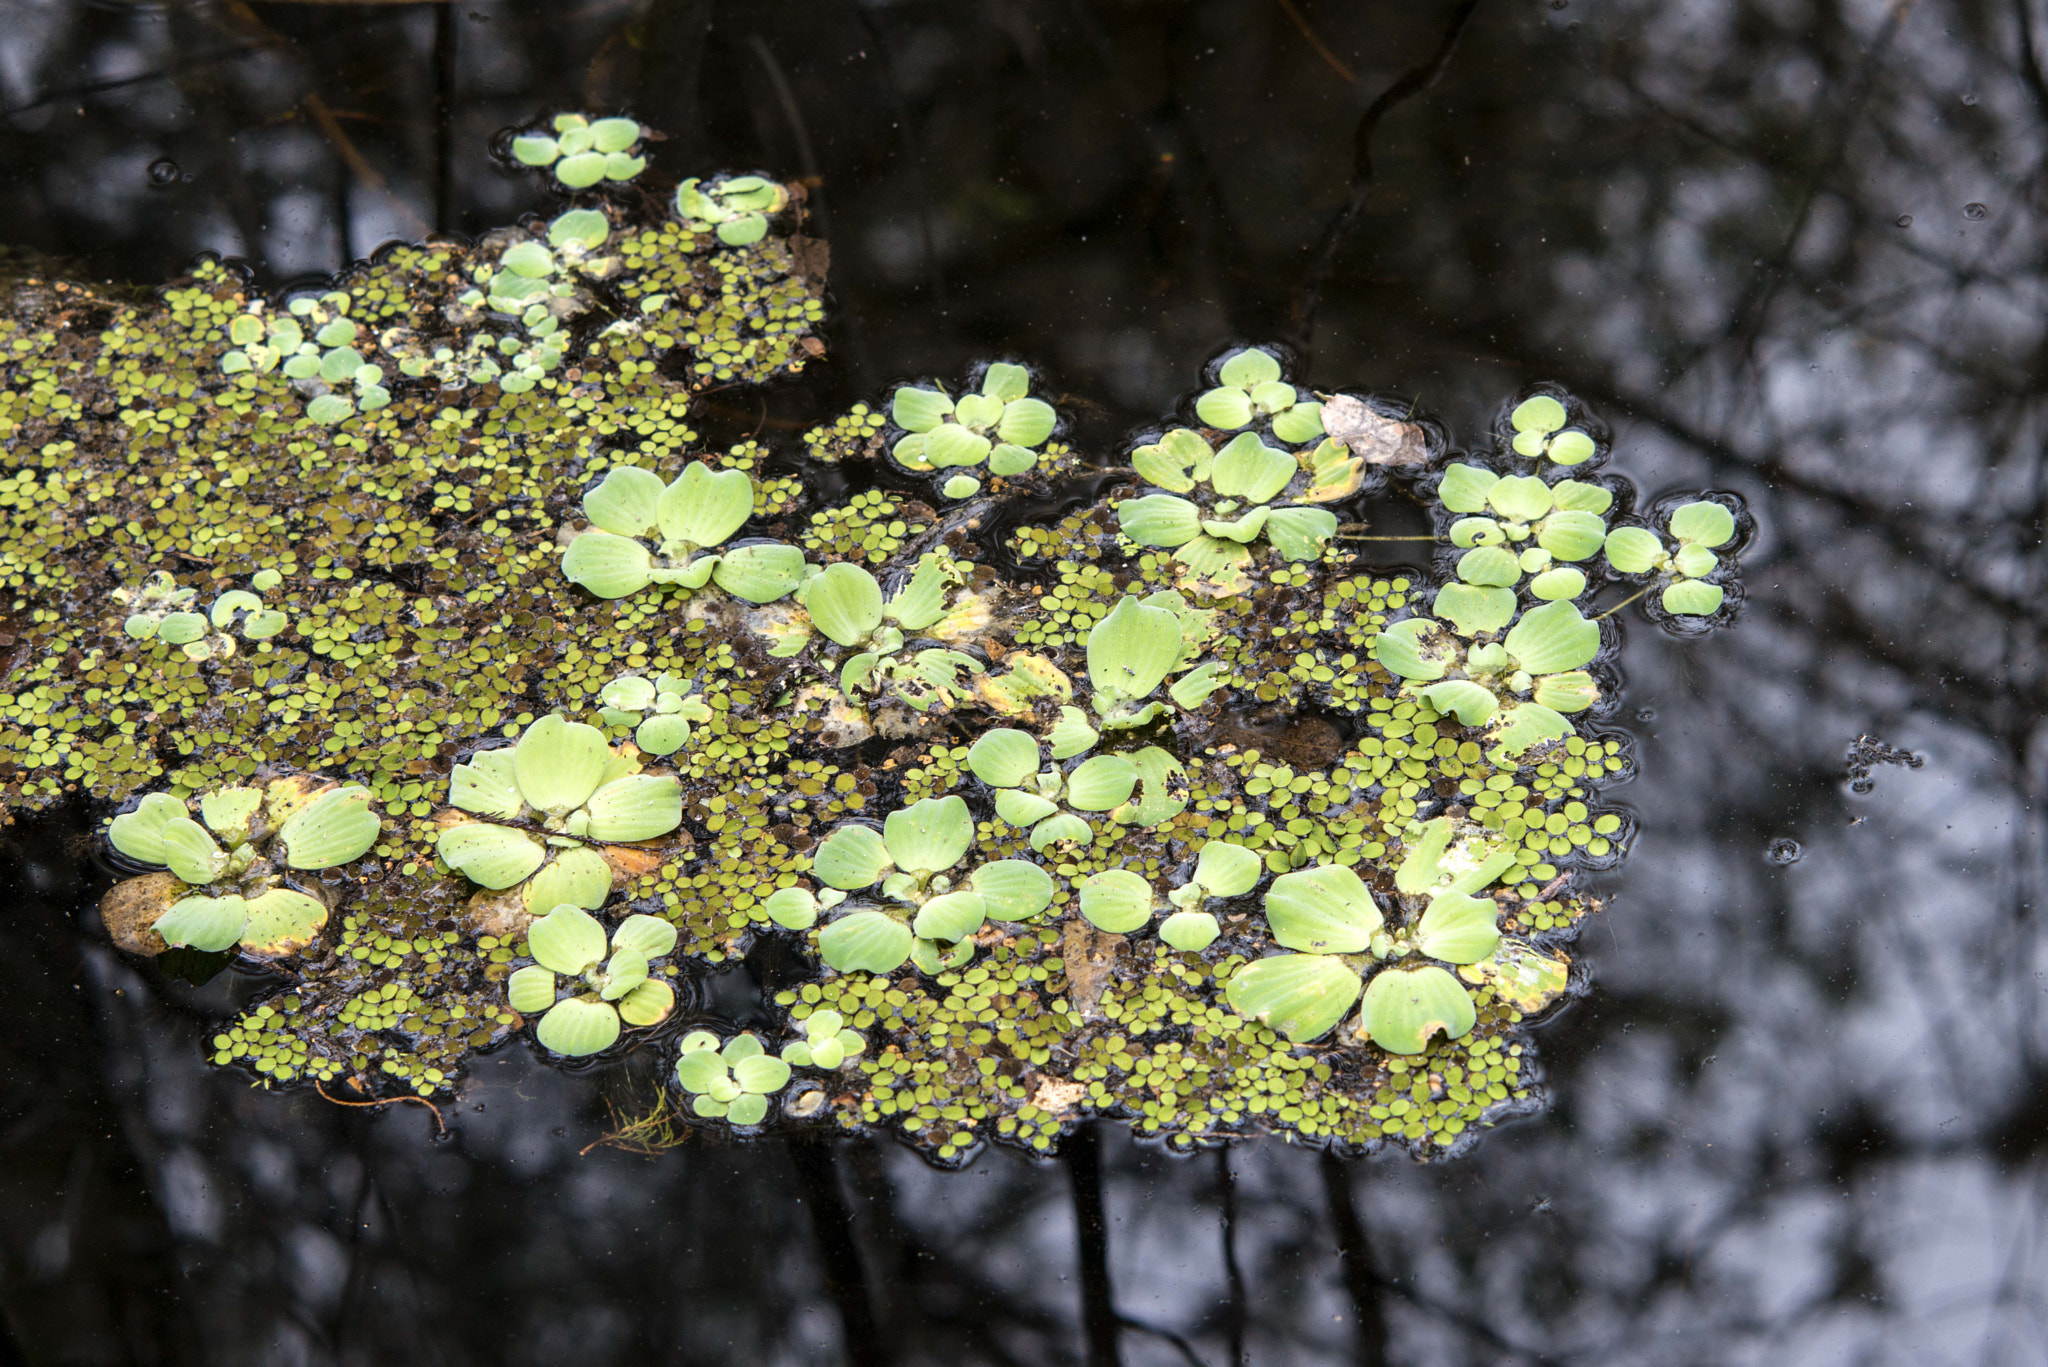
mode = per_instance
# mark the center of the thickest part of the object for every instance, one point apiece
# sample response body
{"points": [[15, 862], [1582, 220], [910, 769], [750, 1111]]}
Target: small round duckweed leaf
{"points": [[139, 834], [852, 857], [1226, 407], [624, 502], [1013, 889], [865, 941], [1703, 523], [1190, 932], [1552, 585], [1553, 638], [1249, 367], [1116, 900], [1691, 597], [568, 939], [1224, 869], [494, 856], [636, 807], [1159, 520], [1633, 550], [930, 835], [1101, 783], [1570, 447], [190, 851], [1541, 414], [609, 566], [578, 1027], [651, 1003], [1573, 691], [698, 1070], [1298, 996], [701, 508], [530, 990], [763, 1074], [750, 1109], [210, 924], [281, 921], [845, 603], [1472, 609], [792, 908], [332, 829], [1572, 536], [559, 763], [1468, 701], [1322, 910], [1458, 928], [950, 916], [650, 935], [1405, 1006]]}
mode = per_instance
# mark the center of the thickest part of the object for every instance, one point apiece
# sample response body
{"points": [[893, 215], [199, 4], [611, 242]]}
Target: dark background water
{"points": [[1789, 247]]}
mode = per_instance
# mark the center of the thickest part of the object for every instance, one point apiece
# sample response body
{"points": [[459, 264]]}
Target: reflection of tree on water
{"points": [[1797, 1124]]}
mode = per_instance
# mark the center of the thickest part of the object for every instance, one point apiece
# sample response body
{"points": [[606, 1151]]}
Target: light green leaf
{"points": [[1541, 414], [1476, 531], [702, 507], [1570, 692], [1101, 783], [919, 410], [1553, 638], [1489, 567], [332, 829], [226, 812], [651, 1003], [1633, 550], [139, 834], [1405, 1006], [1116, 900], [1581, 497], [792, 908], [1298, 996], [1471, 609], [1703, 523], [1247, 468], [1570, 447], [487, 785], [1458, 928], [1553, 585], [494, 856], [923, 600], [1226, 869], [1694, 562], [1005, 382], [636, 807], [929, 835], [950, 916], [559, 763], [534, 150], [1322, 910], [1572, 536], [1071, 735], [625, 502], [1469, 702], [662, 735], [865, 941], [1301, 534], [1159, 520], [852, 857], [222, 614], [651, 936], [1026, 422], [1422, 864], [578, 1027], [585, 228], [580, 172], [1249, 367], [568, 939], [1177, 461], [1520, 498], [1400, 649], [1192, 689], [950, 444], [530, 990], [190, 851], [1301, 423], [1693, 598], [1226, 407], [1190, 932], [208, 924], [1130, 650], [1065, 828], [1020, 808], [609, 566], [1465, 487], [626, 970], [1518, 729], [1003, 758], [844, 602], [762, 1074], [698, 1070], [1014, 889], [181, 628]]}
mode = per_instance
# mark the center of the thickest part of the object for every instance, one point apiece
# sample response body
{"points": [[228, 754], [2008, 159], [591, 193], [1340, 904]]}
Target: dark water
{"points": [[1788, 247]]}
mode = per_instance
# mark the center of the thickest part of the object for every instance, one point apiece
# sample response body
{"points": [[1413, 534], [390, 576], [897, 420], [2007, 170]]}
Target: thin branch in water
{"points": [[386, 1101], [1624, 602], [1335, 62]]}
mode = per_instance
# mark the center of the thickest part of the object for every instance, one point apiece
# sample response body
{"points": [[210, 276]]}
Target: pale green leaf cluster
{"points": [[586, 992], [643, 532], [583, 152], [660, 710], [161, 610], [1541, 432], [1214, 533], [1132, 652], [1249, 388], [733, 1082], [317, 347], [1000, 426], [828, 1042], [1696, 530], [737, 208], [1134, 789]]}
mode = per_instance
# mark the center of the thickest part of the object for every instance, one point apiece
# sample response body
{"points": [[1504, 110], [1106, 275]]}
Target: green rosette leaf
{"points": [[1159, 520], [334, 828], [1399, 650], [281, 921], [1572, 536], [139, 834], [1301, 534], [1246, 468], [759, 573], [1470, 703], [1116, 900], [651, 1003], [530, 990], [1703, 523], [1472, 609], [1465, 487], [852, 857], [1553, 638], [650, 935], [487, 785], [493, 856], [845, 603], [1100, 783], [1004, 757], [1225, 869], [1323, 910], [703, 507], [625, 501], [1405, 1006], [1131, 650], [209, 924], [919, 410], [929, 835], [637, 807], [568, 940], [609, 566], [1026, 422], [578, 1027], [792, 908], [1013, 889], [1633, 550], [1189, 932], [190, 851], [1458, 928], [1692, 598], [865, 941], [1226, 407], [1569, 692], [950, 916], [1300, 997]]}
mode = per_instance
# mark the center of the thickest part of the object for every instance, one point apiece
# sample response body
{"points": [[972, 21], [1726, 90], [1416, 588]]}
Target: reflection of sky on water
{"points": [[1798, 1121]]}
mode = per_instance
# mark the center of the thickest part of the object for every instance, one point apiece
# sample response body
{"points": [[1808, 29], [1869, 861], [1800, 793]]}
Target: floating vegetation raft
{"points": [[417, 653]]}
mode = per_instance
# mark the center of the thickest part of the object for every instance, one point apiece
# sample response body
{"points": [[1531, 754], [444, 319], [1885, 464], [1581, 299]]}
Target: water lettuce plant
{"points": [[1134, 789], [1131, 651], [1696, 530], [583, 152], [241, 869], [733, 1082], [161, 610], [1541, 431], [687, 521], [318, 347], [660, 710], [1001, 425], [1223, 869], [905, 897], [737, 208], [828, 1042], [584, 992], [1519, 687], [1216, 534], [529, 813], [844, 603], [1248, 387]]}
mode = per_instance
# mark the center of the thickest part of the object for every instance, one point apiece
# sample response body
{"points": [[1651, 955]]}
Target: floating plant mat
{"points": [[418, 654]]}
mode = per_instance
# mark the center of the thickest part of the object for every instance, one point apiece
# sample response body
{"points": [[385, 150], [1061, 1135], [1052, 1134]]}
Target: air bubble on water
{"points": [[1646, 715], [1783, 851], [163, 171], [1970, 99], [1904, 220], [1974, 211]]}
